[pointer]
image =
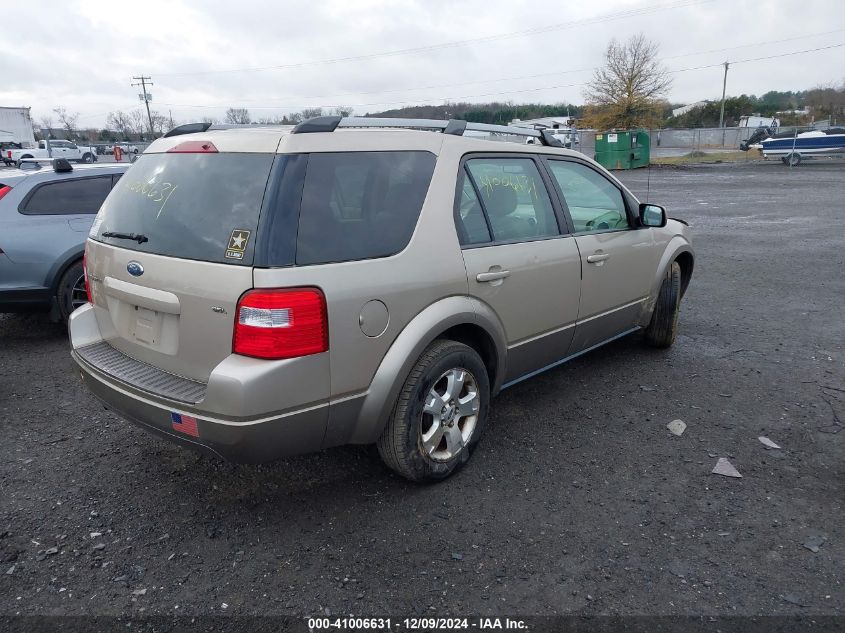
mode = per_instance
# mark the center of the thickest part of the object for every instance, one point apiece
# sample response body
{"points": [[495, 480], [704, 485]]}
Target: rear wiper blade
{"points": [[127, 236]]}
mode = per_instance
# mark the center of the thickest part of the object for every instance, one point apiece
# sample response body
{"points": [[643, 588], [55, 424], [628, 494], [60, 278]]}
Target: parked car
{"points": [[397, 280], [54, 148], [5, 146], [45, 214]]}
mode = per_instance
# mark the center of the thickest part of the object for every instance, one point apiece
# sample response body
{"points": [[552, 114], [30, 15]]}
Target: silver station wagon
{"points": [[260, 292]]}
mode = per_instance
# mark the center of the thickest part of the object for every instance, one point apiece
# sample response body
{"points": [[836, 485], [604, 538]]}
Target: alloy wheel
{"points": [[450, 414]]}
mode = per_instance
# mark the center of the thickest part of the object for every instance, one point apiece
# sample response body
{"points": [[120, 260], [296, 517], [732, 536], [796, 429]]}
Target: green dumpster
{"points": [[623, 150]]}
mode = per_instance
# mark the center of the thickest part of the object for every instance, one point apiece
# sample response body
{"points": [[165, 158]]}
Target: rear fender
{"points": [[426, 327]]}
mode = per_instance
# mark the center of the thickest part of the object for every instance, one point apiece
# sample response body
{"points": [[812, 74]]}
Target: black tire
{"points": [[87, 158], [794, 159], [401, 442], [68, 292], [663, 328]]}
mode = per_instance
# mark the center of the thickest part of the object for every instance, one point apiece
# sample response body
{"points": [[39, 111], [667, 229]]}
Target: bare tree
{"points": [[628, 90], [67, 119], [120, 122], [210, 119], [343, 111], [138, 122], [310, 113], [46, 122], [161, 122], [237, 115]]}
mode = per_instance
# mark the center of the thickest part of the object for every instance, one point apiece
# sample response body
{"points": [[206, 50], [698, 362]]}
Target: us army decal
{"points": [[237, 244]]}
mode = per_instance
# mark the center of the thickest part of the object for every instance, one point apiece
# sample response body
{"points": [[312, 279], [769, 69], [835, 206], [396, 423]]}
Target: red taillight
{"points": [[85, 273], [285, 323], [193, 147], [4, 189]]}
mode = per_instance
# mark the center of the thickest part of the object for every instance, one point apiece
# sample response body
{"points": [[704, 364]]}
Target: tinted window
{"points": [[469, 218], [594, 203], [84, 195], [193, 206], [514, 198], [360, 205]]}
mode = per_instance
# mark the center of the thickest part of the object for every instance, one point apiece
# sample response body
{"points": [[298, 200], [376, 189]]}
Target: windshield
{"points": [[192, 206]]}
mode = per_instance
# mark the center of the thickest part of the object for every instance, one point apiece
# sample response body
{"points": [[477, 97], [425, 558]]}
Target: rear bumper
{"points": [[250, 439], [258, 441]]}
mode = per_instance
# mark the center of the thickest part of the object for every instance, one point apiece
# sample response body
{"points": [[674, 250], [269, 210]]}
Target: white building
{"points": [[684, 109], [16, 126]]}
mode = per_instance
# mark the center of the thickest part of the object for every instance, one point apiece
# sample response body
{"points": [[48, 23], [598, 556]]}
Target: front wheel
{"points": [[87, 158], [71, 293], [439, 415], [663, 328]]}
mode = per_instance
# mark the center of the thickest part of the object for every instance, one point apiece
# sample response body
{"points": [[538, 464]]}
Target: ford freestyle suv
{"points": [[261, 292]]}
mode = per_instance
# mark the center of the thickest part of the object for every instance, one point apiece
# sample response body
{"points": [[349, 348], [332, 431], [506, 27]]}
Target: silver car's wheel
{"points": [[450, 414], [439, 415], [78, 295], [70, 293]]}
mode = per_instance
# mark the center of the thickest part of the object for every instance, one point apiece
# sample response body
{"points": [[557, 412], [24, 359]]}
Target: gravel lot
{"points": [[579, 500]]}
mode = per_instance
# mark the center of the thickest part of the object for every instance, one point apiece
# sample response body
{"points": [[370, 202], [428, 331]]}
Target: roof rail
{"points": [[192, 128], [456, 127]]}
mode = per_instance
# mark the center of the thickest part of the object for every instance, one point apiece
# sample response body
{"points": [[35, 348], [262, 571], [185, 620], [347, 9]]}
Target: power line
{"points": [[510, 92], [538, 30], [536, 76]]}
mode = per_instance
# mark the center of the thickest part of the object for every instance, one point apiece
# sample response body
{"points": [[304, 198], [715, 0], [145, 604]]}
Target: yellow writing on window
{"points": [[520, 183]]}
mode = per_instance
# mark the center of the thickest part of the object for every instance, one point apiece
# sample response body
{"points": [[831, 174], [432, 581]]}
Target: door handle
{"points": [[598, 258], [492, 276]]}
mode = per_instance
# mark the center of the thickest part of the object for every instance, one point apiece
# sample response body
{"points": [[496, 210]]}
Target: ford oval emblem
{"points": [[135, 269]]}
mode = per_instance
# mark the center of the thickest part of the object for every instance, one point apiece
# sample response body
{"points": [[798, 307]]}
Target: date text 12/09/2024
{"points": [[415, 624]]}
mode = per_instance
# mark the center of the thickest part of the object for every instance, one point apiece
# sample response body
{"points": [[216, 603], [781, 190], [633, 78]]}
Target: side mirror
{"points": [[652, 215], [133, 158]]}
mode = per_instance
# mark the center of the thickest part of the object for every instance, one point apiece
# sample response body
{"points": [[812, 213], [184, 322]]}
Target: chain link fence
{"points": [[692, 145]]}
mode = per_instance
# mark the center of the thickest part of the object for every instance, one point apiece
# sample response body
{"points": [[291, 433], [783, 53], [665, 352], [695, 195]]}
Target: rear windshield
{"points": [[193, 206]]}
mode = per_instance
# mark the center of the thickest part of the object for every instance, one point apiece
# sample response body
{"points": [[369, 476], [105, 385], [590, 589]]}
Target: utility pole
{"points": [[724, 85], [145, 81]]}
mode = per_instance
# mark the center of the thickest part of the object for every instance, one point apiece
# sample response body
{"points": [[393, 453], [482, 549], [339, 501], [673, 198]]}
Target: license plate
{"points": [[147, 326]]}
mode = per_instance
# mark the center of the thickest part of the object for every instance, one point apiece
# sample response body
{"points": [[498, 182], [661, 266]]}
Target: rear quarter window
{"points": [[360, 205], [67, 197]]}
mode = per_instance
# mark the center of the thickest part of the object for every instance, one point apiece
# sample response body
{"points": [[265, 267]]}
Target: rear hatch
{"points": [[171, 252]]}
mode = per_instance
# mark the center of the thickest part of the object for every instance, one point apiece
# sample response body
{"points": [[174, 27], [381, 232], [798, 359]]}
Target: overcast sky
{"points": [[204, 56]]}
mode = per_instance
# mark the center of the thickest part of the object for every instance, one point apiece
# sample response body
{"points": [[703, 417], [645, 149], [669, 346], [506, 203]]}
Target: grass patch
{"points": [[735, 156]]}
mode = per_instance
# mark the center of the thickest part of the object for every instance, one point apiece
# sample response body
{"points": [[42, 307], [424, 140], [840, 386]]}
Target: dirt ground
{"points": [[578, 501]]}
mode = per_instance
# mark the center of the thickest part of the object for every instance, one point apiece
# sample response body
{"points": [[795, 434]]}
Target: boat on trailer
{"points": [[792, 148]]}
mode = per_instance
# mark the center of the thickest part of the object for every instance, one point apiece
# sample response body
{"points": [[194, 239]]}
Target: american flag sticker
{"points": [[184, 424]]}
